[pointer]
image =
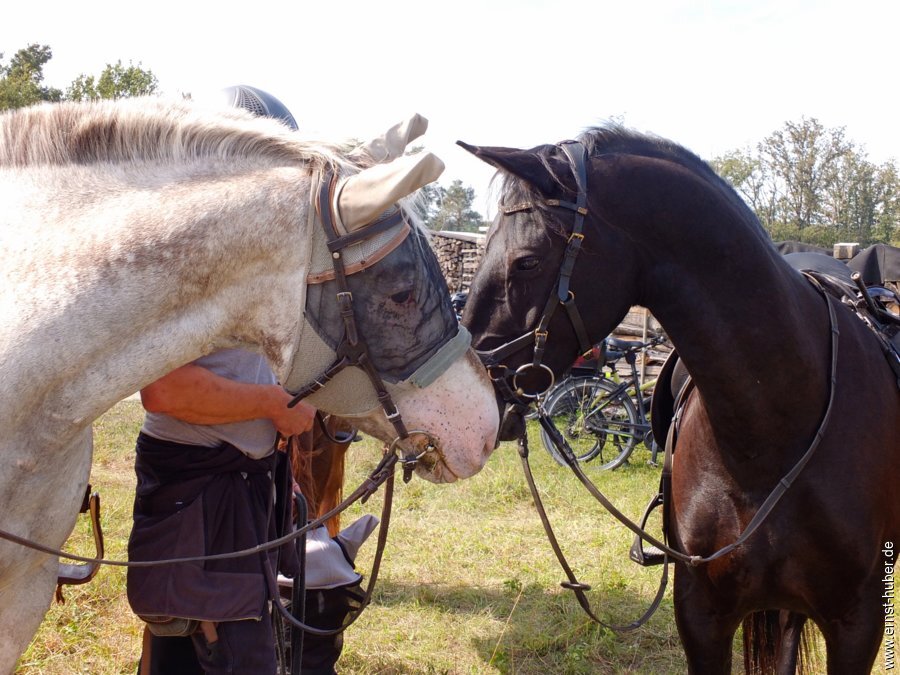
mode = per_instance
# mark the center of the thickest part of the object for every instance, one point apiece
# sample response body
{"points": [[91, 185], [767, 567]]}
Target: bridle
{"points": [[518, 400], [508, 381], [353, 350]]}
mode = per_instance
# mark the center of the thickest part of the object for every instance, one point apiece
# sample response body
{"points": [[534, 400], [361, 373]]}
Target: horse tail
{"points": [[317, 464], [331, 474], [773, 637]]}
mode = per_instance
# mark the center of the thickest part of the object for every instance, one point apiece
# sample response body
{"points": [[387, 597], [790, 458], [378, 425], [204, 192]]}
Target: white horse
{"points": [[140, 235]]}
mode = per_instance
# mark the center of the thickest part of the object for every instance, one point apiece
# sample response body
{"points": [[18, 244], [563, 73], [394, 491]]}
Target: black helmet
{"points": [[259, 103]]}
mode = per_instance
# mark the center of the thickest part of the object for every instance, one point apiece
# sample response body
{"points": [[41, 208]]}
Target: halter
{"points": [[353, 349], [505, 379]]}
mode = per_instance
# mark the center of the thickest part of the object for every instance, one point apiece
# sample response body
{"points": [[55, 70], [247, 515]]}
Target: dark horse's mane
{"points": [[615, 139]]}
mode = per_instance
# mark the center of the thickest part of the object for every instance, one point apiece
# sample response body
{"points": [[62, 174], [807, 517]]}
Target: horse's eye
{"points": [[402, 297], [528, 263]]}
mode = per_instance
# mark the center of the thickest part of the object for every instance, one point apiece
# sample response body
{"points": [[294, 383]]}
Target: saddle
{"points": [[870, 305]]}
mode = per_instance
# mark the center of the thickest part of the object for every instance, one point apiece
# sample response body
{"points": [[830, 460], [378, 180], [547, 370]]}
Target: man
{"points": [[205, 466]]}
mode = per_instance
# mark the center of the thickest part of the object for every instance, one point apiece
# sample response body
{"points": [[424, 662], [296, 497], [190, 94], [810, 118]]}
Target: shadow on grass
{"points": [[533, 629]]}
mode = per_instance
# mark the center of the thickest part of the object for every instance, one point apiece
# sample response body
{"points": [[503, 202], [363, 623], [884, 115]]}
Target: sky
{"points": [[713, 76]]}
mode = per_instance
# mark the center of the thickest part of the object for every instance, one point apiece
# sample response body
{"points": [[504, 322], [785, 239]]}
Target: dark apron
{"points": [[194, 501]]}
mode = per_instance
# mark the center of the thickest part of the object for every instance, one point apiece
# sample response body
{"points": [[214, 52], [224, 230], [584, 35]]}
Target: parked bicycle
{"points": [[601, 415]]}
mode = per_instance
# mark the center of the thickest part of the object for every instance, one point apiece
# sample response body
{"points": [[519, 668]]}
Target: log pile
{"points": [[458, 254]]}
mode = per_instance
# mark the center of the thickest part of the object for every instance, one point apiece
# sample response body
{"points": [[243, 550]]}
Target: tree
{"points": [[803, 157], [451, 209], [116, 81], [20, 81], [751, 177], [808, 183]]}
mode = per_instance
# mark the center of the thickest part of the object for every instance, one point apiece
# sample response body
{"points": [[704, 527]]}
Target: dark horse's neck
{"points": [[752, 333]]}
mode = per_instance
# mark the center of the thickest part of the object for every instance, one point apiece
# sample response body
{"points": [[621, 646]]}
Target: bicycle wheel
{"points": [[597, 422]]}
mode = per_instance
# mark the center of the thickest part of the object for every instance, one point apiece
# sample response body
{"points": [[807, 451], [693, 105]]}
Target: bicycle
{"points": [[603, 416]]}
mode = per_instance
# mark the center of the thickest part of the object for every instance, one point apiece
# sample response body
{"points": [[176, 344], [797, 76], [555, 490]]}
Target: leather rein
{"points": [[518, 400]]}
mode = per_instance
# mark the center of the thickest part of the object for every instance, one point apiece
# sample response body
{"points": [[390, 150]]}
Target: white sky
{"points": [[713, 76]]}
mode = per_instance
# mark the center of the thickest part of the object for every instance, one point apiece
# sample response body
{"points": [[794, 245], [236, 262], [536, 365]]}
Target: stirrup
{"points": [[651, 555], [72, 573]]}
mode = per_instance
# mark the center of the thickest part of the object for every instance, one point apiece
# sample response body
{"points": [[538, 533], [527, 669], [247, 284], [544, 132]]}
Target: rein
{"points": [[764, 510], [382, 473], [515, 397]]}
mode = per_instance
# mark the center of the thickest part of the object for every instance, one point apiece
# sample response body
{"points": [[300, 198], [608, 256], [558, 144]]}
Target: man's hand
{"points": [[292, 421], [196, 395]]}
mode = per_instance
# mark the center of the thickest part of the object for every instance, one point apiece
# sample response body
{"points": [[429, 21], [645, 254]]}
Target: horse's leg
{"points": [[24, 600], [47, 514], [791, 625], [706, 632], [852, 644]]}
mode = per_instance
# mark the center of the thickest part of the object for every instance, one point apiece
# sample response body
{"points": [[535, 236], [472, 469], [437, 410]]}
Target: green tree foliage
{"points": [[808, 183], [451, 208], [21, 81], [116, 81]]}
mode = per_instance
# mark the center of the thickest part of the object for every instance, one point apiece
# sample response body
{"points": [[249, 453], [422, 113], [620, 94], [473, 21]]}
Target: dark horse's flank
{"points": [[662, 230]]}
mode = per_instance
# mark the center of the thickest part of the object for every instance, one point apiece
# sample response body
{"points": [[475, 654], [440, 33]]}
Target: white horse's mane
{"points": [[151, 130], [160, 131]]}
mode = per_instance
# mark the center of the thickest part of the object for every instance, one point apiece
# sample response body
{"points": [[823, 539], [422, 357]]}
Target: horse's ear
{"points": [[360, 199], [392, 143], [526, 164]]}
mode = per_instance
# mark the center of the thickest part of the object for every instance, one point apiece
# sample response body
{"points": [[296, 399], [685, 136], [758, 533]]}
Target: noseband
{"points": [[504, 378]]}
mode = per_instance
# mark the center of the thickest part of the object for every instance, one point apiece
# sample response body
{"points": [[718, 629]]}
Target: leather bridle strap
{"points": [[560, 295], [352, 350], [370, 585]]}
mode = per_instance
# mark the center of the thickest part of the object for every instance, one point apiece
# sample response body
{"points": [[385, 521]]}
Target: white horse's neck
{"points": [[151, 279]]}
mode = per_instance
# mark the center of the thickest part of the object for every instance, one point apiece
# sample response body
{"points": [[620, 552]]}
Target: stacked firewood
{"points": [[458, 254]]}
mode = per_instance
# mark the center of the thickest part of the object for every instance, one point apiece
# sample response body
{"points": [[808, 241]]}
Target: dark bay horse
{"points": [[662, 230]]}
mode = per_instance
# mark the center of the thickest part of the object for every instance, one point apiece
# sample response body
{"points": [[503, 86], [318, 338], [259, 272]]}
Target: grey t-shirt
{"points": [[254, 438]]}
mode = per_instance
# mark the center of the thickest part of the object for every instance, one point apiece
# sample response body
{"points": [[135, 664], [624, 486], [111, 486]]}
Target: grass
{"points": [[469, 584]]}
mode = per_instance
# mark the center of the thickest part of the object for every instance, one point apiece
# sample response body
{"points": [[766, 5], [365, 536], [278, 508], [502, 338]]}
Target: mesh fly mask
{"points": [[380, 316]]}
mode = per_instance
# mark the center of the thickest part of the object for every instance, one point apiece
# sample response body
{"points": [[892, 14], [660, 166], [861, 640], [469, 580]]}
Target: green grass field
{"points": [[469, 583]]}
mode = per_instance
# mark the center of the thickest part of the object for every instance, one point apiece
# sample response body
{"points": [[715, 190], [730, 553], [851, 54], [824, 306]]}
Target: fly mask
{"points": [[378, 316]]}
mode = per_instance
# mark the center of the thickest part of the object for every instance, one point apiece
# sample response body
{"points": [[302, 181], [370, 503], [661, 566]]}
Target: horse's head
{"points": [[554, 278], [376, 285]]}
